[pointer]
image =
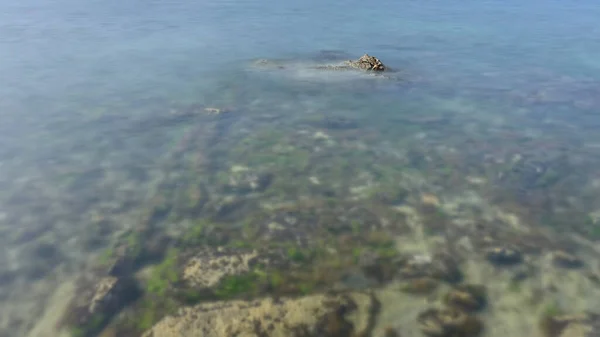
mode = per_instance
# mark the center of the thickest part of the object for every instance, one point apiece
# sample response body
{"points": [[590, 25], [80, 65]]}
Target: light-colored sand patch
{"points": [[55, 307]]}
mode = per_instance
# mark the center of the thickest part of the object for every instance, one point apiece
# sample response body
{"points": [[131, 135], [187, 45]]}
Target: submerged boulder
{"points": [[467, 297], [98, 302], [317, 315], [244, 180], [564, 259], [439, 267], [504, 256], [449, 323], [207, 270], [580, 325]]}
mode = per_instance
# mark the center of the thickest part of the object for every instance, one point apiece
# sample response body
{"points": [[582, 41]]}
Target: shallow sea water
{"points": [[153, 118]]}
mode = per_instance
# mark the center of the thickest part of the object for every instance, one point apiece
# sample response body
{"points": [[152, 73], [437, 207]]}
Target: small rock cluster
{"points": [[439, 267], [564, 259], [506, 256], [423, 275], [243, 180], [503, 256], [583, 325], [457, 318], [449, 322]]}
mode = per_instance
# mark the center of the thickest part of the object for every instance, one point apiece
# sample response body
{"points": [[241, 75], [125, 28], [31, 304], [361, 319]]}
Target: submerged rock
{"points": [[95, 305], [420, 286], [378, 268], [337, 123], [503, 256], [583, 325], [449, 323], [244, 180], [523, 272], [441, 267], [467, 297], [318, 315], [228, 207], [120, 264], [390, 332], [207, 270], [565, 260], [108, 295]]}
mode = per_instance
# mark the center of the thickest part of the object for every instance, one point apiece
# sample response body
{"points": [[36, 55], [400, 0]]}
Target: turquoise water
{"points": [[102, 109], [62, 61]]}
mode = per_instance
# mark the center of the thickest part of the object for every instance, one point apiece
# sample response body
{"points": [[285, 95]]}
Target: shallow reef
{"points": [[256, 217], [270, 224]]}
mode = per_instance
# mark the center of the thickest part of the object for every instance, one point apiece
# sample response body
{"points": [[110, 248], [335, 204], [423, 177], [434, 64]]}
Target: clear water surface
{"points": [[97, 99]]}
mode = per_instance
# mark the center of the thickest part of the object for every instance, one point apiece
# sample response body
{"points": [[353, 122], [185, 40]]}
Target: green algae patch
{"points": [[145, 314], [77, 332], [236, 285], [296, 255], [152, 312], [382, 244], [196, 233], [551, 309], [205, 232], [106, 256], [164, 274], [273, 149]]}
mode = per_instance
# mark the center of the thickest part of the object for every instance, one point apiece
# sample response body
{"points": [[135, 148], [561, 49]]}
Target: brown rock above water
{"points": [[367, 62]]}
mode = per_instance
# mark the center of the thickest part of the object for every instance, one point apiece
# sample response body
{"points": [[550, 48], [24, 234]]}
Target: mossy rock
{"points": [[163, 275]]}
